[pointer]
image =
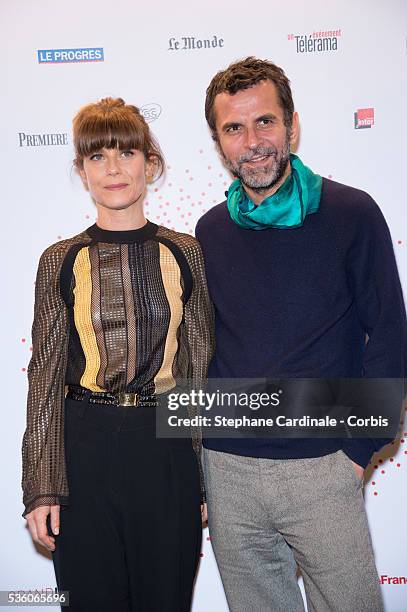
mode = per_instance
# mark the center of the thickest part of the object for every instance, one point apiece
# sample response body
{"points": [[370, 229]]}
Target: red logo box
{"points": [[364, 118]]}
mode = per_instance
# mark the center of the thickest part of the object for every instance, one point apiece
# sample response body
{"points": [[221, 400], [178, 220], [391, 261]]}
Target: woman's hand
{"points": [[204, 514], [37, 524]]}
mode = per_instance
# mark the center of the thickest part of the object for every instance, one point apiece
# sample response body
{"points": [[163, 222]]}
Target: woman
{"points": [[121, 313]]}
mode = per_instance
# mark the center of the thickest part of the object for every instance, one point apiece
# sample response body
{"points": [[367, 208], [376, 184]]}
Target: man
{"points": [[302, 274]]}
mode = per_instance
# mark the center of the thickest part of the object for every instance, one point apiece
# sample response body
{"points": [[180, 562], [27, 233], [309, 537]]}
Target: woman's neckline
{"points": [[122, 236]]}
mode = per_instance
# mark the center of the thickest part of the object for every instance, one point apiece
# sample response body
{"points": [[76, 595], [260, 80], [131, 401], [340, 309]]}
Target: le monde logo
{"points": [[189, 43]]}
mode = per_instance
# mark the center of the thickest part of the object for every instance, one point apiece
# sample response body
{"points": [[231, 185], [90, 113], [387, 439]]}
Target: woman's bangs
{"points": [[109, 133]]}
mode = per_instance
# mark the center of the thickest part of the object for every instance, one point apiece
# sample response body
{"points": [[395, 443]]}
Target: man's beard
{"points": [[262, 178]]}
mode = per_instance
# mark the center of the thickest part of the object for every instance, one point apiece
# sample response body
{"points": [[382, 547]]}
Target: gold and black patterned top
{"points": [[115, 311]]}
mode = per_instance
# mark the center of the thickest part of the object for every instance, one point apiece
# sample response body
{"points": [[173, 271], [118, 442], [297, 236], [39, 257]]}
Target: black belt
{"points": [[115, 399]]}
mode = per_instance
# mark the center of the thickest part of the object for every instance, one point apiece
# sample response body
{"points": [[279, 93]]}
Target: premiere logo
{"points": [[42, 140], [150, 112], [364, 118], [317, 42], [189, 43], [70, 56]]}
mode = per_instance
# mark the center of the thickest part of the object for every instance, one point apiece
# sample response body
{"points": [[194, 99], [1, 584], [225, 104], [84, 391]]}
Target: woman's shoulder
{"points": [[56, 252], [185, 242]]}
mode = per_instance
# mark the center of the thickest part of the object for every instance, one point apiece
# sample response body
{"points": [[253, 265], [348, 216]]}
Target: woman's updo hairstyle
{"points": [[113, 124]]}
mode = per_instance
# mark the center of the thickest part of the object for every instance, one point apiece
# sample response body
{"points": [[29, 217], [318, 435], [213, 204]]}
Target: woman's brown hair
{"points": [[110, 124]]}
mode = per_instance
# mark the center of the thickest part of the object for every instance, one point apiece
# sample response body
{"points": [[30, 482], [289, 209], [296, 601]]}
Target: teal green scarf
{"points": [[297, 197]]}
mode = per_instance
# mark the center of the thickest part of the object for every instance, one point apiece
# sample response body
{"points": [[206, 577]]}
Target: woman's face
{"points": [[117, 179]]}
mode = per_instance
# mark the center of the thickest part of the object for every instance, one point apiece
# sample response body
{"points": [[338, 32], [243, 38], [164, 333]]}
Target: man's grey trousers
{"points": [[267, 516]]}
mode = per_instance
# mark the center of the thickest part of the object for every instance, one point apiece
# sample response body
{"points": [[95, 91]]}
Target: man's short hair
{"points": [[242, 75]]}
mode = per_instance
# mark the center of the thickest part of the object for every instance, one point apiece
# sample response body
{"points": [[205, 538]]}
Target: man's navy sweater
{"points": [[300, 303]]}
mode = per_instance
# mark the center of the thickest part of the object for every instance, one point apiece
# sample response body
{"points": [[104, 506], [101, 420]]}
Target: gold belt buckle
{"points": [[128, 399]]}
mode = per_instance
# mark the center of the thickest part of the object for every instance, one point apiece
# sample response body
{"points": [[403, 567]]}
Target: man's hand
{"points": [[204, 514], [37, 524], [358, 469]]}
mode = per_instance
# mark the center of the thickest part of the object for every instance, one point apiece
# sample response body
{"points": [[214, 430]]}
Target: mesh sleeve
{"points": [[199, 323], [44, 478]]}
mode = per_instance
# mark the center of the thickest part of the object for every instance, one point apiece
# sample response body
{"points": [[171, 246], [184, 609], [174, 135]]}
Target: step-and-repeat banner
{"points": [[347, 63]]}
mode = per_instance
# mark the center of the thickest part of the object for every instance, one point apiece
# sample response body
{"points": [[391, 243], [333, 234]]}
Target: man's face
{"points": [[253, 140]]}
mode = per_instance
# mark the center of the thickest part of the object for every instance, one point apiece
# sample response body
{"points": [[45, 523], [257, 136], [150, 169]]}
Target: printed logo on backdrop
{"points": [[151, 111], [364, 118], [70, 56], [316, 42], [42, 140], [191, 43], [384, 579]]}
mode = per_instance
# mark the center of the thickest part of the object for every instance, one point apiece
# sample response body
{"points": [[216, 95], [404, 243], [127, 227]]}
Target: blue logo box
{"points": [[67, 56]]}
